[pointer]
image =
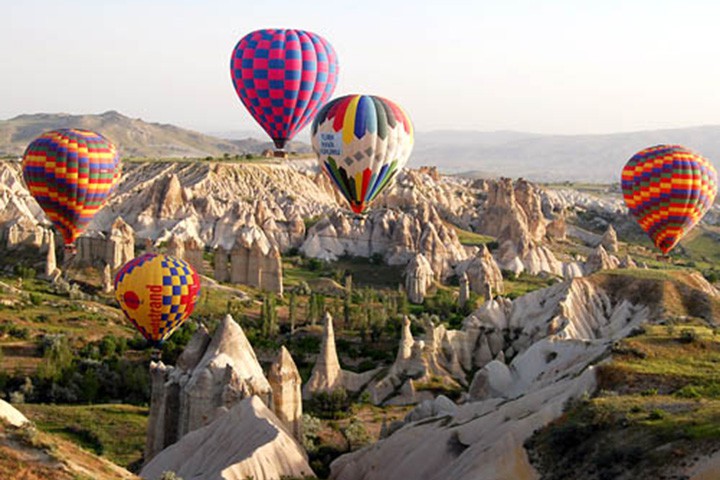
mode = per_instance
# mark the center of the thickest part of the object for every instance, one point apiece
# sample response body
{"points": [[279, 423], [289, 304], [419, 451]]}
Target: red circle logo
{"points": [[132, 301]]}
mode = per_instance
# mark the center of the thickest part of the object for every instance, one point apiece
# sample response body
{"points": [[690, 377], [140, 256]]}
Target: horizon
{"points": [[260, 134], [558, 69]]}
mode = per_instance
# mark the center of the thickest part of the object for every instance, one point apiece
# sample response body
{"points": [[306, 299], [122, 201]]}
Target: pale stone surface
{"points": [[246, 441], [255, 261], [211, 373], [464, 292], [609, 240], [11, 415], [482, 270], [286, 383], [599, 259], [326, 374], [418, 278], [114, 247]]}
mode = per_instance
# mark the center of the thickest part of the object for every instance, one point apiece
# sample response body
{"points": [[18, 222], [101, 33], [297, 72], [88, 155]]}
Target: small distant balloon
{"points": [[71, 173], [668, 188], [157, 293], [283, 77], [361, 142]]}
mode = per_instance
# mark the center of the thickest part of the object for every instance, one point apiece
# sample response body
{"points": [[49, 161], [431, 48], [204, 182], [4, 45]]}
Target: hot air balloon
{"points": [[283, 77], [157, 293], [668, 188], [71, 173], [361, 142]]}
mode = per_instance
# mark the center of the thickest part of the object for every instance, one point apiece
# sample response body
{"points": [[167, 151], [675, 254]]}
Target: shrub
{"points": [[687, 335]]}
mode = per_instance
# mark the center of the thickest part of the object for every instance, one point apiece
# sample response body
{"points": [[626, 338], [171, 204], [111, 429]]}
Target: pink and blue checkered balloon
{"points": [[283, 77]]}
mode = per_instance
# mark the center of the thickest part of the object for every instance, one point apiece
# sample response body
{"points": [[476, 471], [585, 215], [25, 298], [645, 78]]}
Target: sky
{"points": [[561, 67]]}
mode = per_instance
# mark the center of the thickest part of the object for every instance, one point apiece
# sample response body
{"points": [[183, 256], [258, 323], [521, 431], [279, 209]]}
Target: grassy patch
{"points": [[658, 405], [519, 285], [114, 431], [472, 239]]}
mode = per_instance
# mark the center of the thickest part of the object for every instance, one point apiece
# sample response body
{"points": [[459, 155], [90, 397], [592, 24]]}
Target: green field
{"points": [[116, 432]]}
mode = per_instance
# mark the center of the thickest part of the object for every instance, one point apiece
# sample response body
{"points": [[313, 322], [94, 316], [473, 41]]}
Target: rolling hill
{"points": [[134, 137], [547, 158]]}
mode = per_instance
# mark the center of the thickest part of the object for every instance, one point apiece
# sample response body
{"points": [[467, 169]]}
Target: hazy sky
{"points": [[575, 66]]}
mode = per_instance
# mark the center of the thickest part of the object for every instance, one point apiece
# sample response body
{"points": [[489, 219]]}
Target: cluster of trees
{"points": [[96, 373]]}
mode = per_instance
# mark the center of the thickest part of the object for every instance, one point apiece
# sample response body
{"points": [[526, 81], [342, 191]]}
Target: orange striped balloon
{"points": [[668, 188], [71, 173]]}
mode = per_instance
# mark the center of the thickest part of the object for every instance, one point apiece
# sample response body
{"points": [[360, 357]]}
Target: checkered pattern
{"points": [[71, 173], [164, 289], [283, 77], [668, 188], [180, 291]]}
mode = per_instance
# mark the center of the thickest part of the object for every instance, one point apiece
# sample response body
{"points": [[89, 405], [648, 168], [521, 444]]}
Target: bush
{"points": [[687, 335], [332, 405], [35, 298]]}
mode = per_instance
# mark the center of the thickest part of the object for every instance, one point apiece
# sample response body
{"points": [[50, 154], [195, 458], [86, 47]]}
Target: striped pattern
{"points": [[362, 141], [283, 77], [71, 173], [157, 293], [668, 188]]}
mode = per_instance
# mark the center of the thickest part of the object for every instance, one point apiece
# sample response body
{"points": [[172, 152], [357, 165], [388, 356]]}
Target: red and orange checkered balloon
{"points": [[71, 173], [668, 188]]}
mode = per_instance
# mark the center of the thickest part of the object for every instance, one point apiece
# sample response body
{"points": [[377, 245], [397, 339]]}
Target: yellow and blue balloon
{"points": [[157, 293]]}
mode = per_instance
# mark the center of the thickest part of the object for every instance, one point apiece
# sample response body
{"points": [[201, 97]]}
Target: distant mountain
{"points": [[134, 137], [590, 158]]}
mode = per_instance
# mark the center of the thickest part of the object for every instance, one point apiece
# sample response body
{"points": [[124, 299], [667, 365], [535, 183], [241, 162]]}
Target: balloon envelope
{"points": [[283, 77], [157, 293], [71, 173], [361, 142], [668, 188]]}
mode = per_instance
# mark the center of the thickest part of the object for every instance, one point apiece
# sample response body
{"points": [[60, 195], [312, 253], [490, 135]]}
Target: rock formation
{"points": [[557, 228], [211, 373], [609, 240], [286, 384], [598, 260], [221, 265], [254, 261], [417, 365], [326, 374], [245, 441], [464, 293], [50, 260], [114, 247], [418, 278], [513, 214], [189, 249], [396, 235], [107, 279], [482, 270], [553, 336]]}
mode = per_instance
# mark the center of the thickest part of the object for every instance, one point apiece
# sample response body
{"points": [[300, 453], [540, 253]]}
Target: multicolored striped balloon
{"points": [[157, 293], [71, 173], [668, 188], [361, 142], [283, 77]]}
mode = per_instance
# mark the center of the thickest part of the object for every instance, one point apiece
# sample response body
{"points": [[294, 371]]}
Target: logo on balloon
{"points": [[131, 299]]}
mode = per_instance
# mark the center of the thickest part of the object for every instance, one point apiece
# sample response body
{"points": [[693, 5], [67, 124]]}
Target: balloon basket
{"points": [[280, 154], [156, 354]]}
